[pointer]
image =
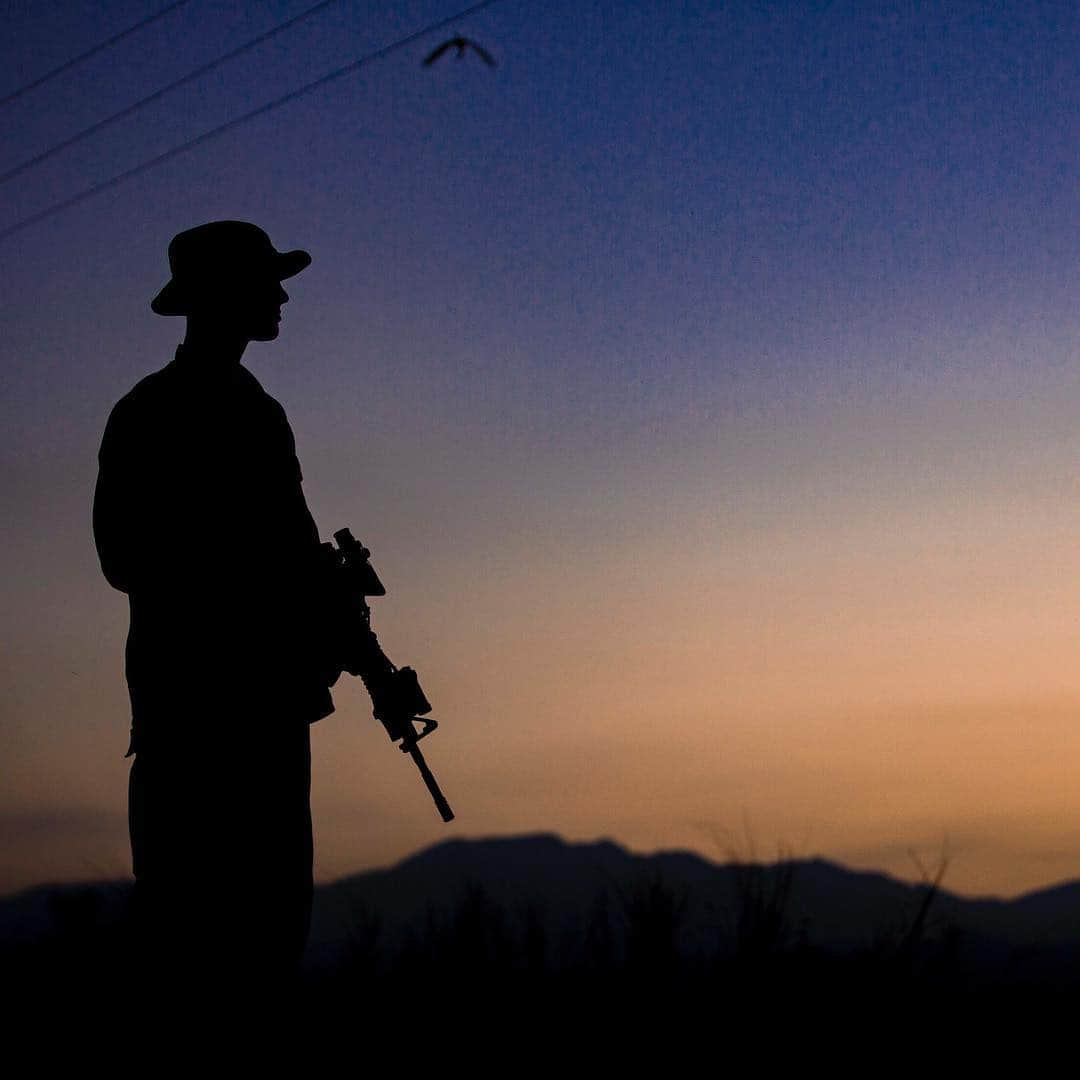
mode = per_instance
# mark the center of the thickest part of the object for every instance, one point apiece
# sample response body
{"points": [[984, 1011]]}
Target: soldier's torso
{"points": [[213, 489]]}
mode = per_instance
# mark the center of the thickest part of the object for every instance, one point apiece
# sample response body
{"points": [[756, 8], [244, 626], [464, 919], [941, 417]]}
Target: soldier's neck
{"points": [[213, 345]]}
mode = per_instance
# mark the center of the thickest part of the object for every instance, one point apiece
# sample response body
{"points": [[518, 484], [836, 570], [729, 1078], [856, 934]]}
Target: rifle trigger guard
{"points": [[429, 726]]}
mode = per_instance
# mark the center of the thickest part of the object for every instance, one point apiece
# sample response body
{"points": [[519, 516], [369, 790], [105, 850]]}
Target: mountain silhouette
{"points": [[543, 876]]}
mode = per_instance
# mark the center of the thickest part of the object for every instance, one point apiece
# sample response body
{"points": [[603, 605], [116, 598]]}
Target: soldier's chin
{"points": [[267, 333]]}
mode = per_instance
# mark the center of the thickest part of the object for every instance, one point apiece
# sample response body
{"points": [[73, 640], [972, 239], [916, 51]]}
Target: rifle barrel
{"points": [[432, 784]]}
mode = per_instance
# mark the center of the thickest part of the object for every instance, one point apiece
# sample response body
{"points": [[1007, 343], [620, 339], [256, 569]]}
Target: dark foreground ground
{"points": [[483, 980]]}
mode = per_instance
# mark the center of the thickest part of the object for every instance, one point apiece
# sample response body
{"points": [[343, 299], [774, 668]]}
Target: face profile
{"points": [[249, 308], [265, 311]]}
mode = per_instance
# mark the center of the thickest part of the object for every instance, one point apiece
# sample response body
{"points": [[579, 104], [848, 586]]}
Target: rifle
{"points": [[396, 698]]}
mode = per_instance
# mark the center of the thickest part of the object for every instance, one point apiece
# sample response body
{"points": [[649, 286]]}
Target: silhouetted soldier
{"points": [[200, 518]]}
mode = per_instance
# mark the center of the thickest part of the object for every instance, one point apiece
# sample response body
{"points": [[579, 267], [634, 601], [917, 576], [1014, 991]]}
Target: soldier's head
{"points": [[226, 275]]}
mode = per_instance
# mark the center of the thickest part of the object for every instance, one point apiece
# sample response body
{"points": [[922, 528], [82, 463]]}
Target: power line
{"points": [[119, 178], [190, 77], [100, 47]]}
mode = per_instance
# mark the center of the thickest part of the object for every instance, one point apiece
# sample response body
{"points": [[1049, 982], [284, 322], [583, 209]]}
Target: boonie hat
{"points": [[220, 251]]}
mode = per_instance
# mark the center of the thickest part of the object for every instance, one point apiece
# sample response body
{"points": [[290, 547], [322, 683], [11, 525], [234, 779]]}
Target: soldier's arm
{"points": [[302, 525], [115, 498]]}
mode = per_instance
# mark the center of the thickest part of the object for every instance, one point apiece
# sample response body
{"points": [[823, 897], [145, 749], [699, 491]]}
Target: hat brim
{"points": [[173, 299]]}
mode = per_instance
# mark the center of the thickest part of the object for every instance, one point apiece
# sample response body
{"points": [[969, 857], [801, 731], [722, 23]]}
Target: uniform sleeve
{"points": [[298, 522], [115, 496]]}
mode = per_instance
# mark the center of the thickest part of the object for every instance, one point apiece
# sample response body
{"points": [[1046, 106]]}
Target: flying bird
{"points": [[461, 44]]}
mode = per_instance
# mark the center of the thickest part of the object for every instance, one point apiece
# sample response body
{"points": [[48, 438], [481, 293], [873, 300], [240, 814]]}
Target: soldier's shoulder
{"points": [[247, 379], [146, 391], [145, 402], [266, 400]]}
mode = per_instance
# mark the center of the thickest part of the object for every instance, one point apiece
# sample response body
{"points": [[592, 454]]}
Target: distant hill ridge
{"points": [[828, 904]]}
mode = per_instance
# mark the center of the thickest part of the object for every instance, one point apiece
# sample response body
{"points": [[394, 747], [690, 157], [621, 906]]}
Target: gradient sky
{"points": [[704, 380]]}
